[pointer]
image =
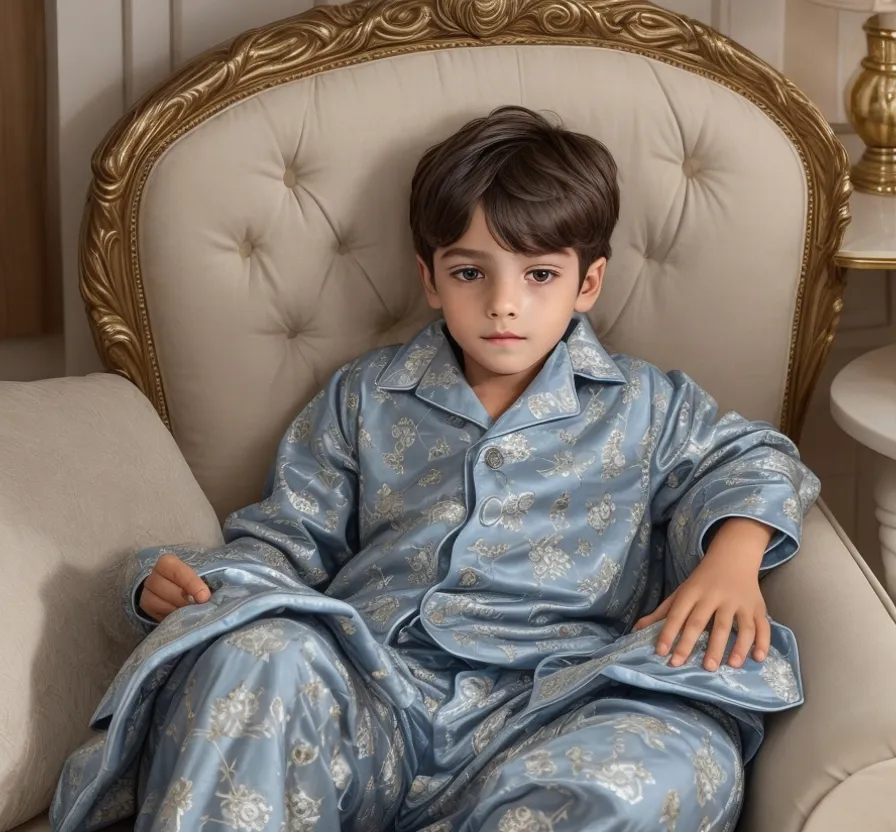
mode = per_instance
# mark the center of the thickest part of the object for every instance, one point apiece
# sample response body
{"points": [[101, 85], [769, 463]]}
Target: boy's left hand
{"points": [[724, 588]]}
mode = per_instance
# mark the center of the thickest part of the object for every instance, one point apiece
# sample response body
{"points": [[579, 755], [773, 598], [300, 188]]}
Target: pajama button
{"points": [[494, 458]]}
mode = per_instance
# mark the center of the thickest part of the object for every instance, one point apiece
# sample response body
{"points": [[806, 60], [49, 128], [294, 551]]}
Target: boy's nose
{"points": [[505, 312], [502, 304]]}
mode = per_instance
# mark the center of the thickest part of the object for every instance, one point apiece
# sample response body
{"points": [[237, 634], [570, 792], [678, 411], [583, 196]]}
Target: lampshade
{"points": [[869, 6]]}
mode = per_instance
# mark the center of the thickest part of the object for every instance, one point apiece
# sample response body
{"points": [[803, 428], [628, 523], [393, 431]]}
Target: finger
{"points": [[175, 570], [695, 625], [763, 638], [718, 639], [657, 615], [165, 590], [745, 632], [675, 619], [154, 606]]}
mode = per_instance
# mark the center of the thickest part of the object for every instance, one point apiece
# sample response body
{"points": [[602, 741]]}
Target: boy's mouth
{"points": [[503, 338]]}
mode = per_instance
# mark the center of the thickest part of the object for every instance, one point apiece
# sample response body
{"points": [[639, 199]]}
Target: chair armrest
{"points": [[830, 764], [88, 476]]}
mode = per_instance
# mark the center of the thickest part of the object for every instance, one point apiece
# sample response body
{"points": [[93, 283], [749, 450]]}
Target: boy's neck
{"points": [[497, 392]]}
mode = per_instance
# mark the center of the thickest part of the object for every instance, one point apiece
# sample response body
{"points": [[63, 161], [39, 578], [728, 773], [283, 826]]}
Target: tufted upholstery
{"points": [[274, 242]]}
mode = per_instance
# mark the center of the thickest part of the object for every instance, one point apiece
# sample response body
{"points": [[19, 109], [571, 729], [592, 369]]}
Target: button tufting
{"points": [[691, 167], [343, 250], [289, 178], [245, 249]]}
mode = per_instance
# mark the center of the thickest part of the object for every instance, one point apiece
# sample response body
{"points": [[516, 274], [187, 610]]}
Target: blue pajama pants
{"points": [[272, 728]]}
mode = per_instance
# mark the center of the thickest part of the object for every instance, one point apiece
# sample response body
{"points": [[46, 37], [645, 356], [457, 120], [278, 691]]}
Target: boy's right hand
{"points": [[170, 586]]}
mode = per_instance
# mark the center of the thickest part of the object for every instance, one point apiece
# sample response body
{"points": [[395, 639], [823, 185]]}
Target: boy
{"points": [[499, 580]]}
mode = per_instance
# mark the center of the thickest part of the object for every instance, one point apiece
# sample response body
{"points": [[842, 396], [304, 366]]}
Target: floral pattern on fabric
{"points": [[420, 581]]}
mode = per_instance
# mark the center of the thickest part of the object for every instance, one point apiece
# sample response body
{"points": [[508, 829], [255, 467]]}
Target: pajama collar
{"points": [[427, 367]]}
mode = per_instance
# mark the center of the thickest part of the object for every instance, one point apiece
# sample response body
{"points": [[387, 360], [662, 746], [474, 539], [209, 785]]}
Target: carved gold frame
{"points": [[337, 36]]}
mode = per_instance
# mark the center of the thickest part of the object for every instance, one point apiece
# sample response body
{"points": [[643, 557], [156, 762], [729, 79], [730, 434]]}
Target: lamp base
{"points": [[871, 104], [875, 173]]}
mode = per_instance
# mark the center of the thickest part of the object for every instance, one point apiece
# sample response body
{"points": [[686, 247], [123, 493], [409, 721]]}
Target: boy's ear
{"points": [[429, 284], [591, 285]]}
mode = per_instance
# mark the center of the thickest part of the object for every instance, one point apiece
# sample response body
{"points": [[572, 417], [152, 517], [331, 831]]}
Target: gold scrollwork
{"points": [[336, 36]]}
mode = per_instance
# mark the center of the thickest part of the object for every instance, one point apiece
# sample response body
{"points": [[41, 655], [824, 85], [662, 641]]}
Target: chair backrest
{"points": [[247, 228]]}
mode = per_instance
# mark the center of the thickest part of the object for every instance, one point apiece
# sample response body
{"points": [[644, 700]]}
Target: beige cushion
{"points": [[274, 242], [89, 475], [829, 766], [867, 797]]}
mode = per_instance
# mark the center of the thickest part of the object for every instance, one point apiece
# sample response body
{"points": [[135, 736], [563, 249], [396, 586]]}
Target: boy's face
{"points": [[506, 310]]}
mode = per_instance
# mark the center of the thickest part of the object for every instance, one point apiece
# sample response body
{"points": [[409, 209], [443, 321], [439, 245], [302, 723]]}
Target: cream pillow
{"points": [[88, 475]]}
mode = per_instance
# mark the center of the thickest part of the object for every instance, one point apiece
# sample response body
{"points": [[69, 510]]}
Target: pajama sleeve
{"points": [[305, 527], [706, 469]]}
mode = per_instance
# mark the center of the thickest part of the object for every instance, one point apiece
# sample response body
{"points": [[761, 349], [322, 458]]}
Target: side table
{"points": [[863, 395]]}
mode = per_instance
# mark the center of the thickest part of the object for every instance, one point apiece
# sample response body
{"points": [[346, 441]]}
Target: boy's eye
{"points": [[542, 275], [468, 274]]}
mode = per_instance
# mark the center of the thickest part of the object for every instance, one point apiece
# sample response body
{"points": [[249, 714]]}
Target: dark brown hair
{"points": [[543, 188]]}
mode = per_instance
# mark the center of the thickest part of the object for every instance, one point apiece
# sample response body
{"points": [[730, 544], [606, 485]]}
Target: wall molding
{"points": [[86, 46], [149, 45], [175, 34], [721, 16], [759, 25]]}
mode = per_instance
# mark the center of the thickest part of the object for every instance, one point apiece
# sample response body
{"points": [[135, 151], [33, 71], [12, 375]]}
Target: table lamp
{"points": [[871, 96]]}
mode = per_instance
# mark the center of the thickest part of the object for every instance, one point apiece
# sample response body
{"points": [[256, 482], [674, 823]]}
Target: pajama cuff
{"points": [[137, 617], [777, 507]]}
